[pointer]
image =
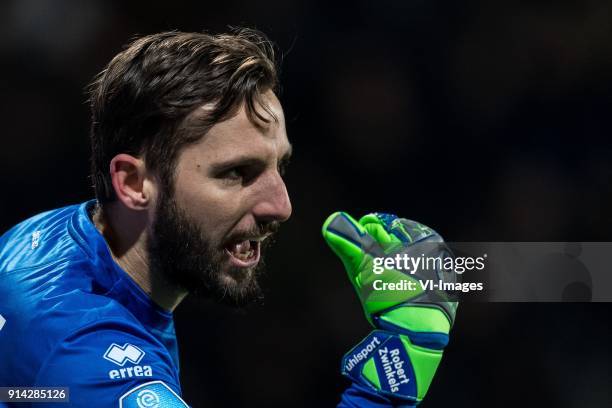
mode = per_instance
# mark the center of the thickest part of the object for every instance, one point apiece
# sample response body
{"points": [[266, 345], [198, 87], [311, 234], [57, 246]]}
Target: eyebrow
{"points": [[247, 160]]}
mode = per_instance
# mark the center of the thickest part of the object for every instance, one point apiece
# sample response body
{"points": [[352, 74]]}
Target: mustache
{"points": [[258, 230]]}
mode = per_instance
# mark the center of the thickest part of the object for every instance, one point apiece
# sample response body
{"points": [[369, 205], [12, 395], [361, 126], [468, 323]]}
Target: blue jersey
{"points": [[71, 317]]}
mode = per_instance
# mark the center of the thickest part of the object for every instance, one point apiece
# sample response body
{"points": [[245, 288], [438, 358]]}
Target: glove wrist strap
{"points": [[391, 365]]}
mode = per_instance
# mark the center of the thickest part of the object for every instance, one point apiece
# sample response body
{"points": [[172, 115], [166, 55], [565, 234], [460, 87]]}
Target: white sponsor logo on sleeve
{"points": [[121, 355]]}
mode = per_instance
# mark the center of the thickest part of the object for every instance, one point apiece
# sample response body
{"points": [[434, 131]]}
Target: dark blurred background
{"points": [[487, 120]]}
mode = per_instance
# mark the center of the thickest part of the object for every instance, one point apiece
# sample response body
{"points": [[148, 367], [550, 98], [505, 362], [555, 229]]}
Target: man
{"points": [[188, 149]]}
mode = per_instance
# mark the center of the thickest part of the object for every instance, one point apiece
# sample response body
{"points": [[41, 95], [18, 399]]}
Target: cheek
{"points": [[215, 210]]}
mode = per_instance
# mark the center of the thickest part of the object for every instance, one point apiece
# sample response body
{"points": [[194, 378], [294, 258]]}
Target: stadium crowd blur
{"points": [[485, 120]]}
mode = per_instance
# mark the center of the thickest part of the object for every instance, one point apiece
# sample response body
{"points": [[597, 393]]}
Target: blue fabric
{"points": [[74, 318], [358, 396]]}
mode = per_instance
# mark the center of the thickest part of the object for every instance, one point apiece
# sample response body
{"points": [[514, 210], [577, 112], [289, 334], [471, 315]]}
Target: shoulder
{"points": [[59, 333], [103, 360], [39, 240]]}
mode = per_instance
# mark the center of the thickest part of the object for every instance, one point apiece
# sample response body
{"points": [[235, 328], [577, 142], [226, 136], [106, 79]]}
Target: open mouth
{"points": [[244, 254]]}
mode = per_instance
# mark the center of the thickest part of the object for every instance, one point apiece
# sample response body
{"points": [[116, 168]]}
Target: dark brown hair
{"points": [[141, 102]]}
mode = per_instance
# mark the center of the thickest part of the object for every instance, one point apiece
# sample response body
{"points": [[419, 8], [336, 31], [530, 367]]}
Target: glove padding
{"points": [[399, 359]]}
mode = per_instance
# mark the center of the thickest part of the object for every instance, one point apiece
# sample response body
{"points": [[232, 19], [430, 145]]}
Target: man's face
{"points": [[229, 197]]}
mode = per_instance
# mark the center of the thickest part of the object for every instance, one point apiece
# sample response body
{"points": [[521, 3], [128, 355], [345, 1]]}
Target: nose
{"points": [[273, 203]]}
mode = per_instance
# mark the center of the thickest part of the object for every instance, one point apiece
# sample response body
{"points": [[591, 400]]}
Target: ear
{"points": [[130, 182]]}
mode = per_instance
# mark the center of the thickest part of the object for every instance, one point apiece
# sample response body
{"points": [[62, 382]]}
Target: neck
{"points": [[125, 233]]}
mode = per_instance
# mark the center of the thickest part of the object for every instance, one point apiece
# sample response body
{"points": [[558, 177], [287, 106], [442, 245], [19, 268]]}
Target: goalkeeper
{"points": [[188, 150], [395, 364]]}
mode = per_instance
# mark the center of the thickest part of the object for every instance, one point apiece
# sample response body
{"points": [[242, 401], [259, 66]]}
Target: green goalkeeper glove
{"points": [[400, 357]]}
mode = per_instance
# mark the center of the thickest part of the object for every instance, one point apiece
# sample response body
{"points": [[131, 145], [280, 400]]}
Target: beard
{"points": [[180, 251]]}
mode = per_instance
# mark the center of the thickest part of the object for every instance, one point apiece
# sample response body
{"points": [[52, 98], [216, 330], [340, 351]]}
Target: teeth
{"points": [[244, 256], [243, 250], [246, 250]]}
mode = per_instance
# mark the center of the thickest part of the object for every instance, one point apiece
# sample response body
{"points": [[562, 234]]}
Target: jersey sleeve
{"points": [[112, 363], [358, 396]]}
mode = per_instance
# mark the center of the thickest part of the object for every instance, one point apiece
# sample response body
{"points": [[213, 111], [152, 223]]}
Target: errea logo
{"points": [[129, 372], [127, 353], [120, 355]]}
